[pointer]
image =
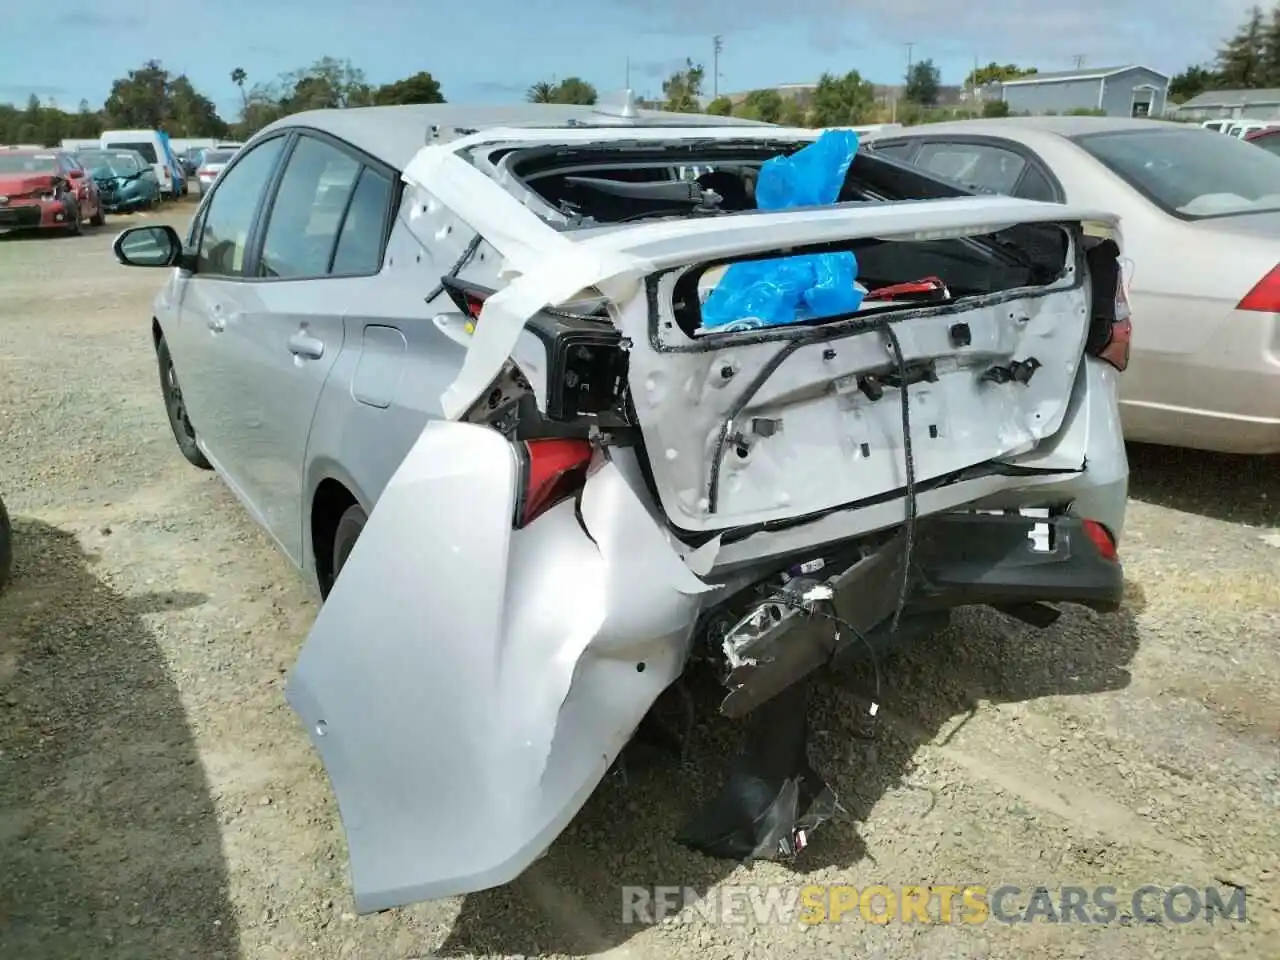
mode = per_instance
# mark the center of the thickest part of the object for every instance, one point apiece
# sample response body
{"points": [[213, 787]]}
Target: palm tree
{"points": [[238, 77], [540, 92]]}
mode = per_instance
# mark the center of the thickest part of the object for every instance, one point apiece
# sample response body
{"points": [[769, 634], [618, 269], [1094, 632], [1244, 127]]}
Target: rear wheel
{"points": [[183, 433], [100, 217], [350, 526]]}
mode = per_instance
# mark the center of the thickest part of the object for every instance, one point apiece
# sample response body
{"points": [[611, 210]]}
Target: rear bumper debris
{"points": [[773, 799], [957, 560]]}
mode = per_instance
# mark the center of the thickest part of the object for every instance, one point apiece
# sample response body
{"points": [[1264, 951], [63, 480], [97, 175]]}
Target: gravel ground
{"points": [[158, 799]]}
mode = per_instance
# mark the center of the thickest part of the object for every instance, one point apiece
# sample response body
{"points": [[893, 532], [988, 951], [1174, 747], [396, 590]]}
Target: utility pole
{"points": [[909, 45], [717, 44], [1079, 59], [628, 86]]}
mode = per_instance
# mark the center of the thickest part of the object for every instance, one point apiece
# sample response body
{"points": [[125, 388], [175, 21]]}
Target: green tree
{"points": [[1191, 82], [793, 115], [238, 77], [191, 113], [1271, 49], [87, 122], [923, 83], [328, 84], [997, 73], [839, 101], [540, 92], [682, 89], [422, 87], [766, 105], [995, 108], [720, 107], [140, 98], [1241, 61], [575, 90]]}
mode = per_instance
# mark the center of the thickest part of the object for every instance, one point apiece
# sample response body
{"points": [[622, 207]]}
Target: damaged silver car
{"points": [[554, 401]]}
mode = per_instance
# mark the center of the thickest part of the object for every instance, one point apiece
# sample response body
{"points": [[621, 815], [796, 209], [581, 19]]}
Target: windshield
{"points": [[28, 163], [120, 164], [1190, 173], [147, 150], [217, 156]]}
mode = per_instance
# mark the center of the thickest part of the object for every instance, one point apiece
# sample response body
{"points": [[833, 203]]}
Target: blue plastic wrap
{"points": [[768, 293]]}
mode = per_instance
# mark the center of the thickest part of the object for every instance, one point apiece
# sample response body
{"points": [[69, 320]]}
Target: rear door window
{"points": [[1036, 186], [306, 214], [360, 243], [903, 150], [978, 166]]}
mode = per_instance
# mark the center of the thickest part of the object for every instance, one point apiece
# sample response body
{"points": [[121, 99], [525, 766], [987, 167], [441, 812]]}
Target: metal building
{"points": [[1245, 104], [1127, 91]]}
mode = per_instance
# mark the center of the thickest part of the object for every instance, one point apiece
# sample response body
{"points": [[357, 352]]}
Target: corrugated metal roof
{"points": [[1088, 73], [1231, 98]]}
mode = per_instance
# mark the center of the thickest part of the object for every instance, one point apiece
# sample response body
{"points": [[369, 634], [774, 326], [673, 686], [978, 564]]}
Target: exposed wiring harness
{"points": [[908, 455]]}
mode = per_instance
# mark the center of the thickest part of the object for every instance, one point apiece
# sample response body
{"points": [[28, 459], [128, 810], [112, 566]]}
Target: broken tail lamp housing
{"points": [[1111, 329], [586, 363], [552, 470]]}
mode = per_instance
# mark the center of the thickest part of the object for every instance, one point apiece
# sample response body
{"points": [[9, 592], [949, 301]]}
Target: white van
{"points": [[154, 147]]}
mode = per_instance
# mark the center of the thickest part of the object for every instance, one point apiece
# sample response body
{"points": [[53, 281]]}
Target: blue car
{"points": [[126, 182]]}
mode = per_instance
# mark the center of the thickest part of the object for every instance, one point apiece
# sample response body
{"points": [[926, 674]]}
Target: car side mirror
{"points": [[149, 246]]}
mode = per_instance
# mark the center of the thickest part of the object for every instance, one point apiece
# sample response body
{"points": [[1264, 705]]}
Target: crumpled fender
{"points": [[467, 685]]}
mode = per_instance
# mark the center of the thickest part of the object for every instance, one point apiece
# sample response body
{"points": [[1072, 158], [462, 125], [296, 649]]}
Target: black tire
{"points": [[74, 227], [99, 218], [6, 546], [350, 526], [183, 433]]}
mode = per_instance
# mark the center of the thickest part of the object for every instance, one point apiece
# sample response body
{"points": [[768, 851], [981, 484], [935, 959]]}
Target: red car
{"points": [[1268, 138], [46, 189]]}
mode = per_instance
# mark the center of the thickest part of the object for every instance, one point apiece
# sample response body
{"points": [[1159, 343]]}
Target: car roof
{"points": [[1015, 128], [395, 134]]}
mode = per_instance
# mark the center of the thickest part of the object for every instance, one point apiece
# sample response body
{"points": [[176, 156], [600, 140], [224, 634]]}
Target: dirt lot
{"points": [[158, 800]]}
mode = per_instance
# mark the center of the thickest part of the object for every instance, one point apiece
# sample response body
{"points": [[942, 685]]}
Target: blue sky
{"points": [[490, 52]]}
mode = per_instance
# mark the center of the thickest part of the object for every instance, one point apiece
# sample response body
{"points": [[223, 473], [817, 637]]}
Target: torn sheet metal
{"points": [[551, 268], [467, 685]]}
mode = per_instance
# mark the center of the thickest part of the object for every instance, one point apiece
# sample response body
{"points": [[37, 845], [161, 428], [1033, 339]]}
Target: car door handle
{"points": [[303, 344]]}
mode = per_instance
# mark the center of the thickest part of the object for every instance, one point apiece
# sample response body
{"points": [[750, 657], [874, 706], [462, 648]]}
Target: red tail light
{"points": [[467, 297], [205, 172], [1265, 295], [1116, 352], [1111, 329], [1101, 539], [553, 470]]}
